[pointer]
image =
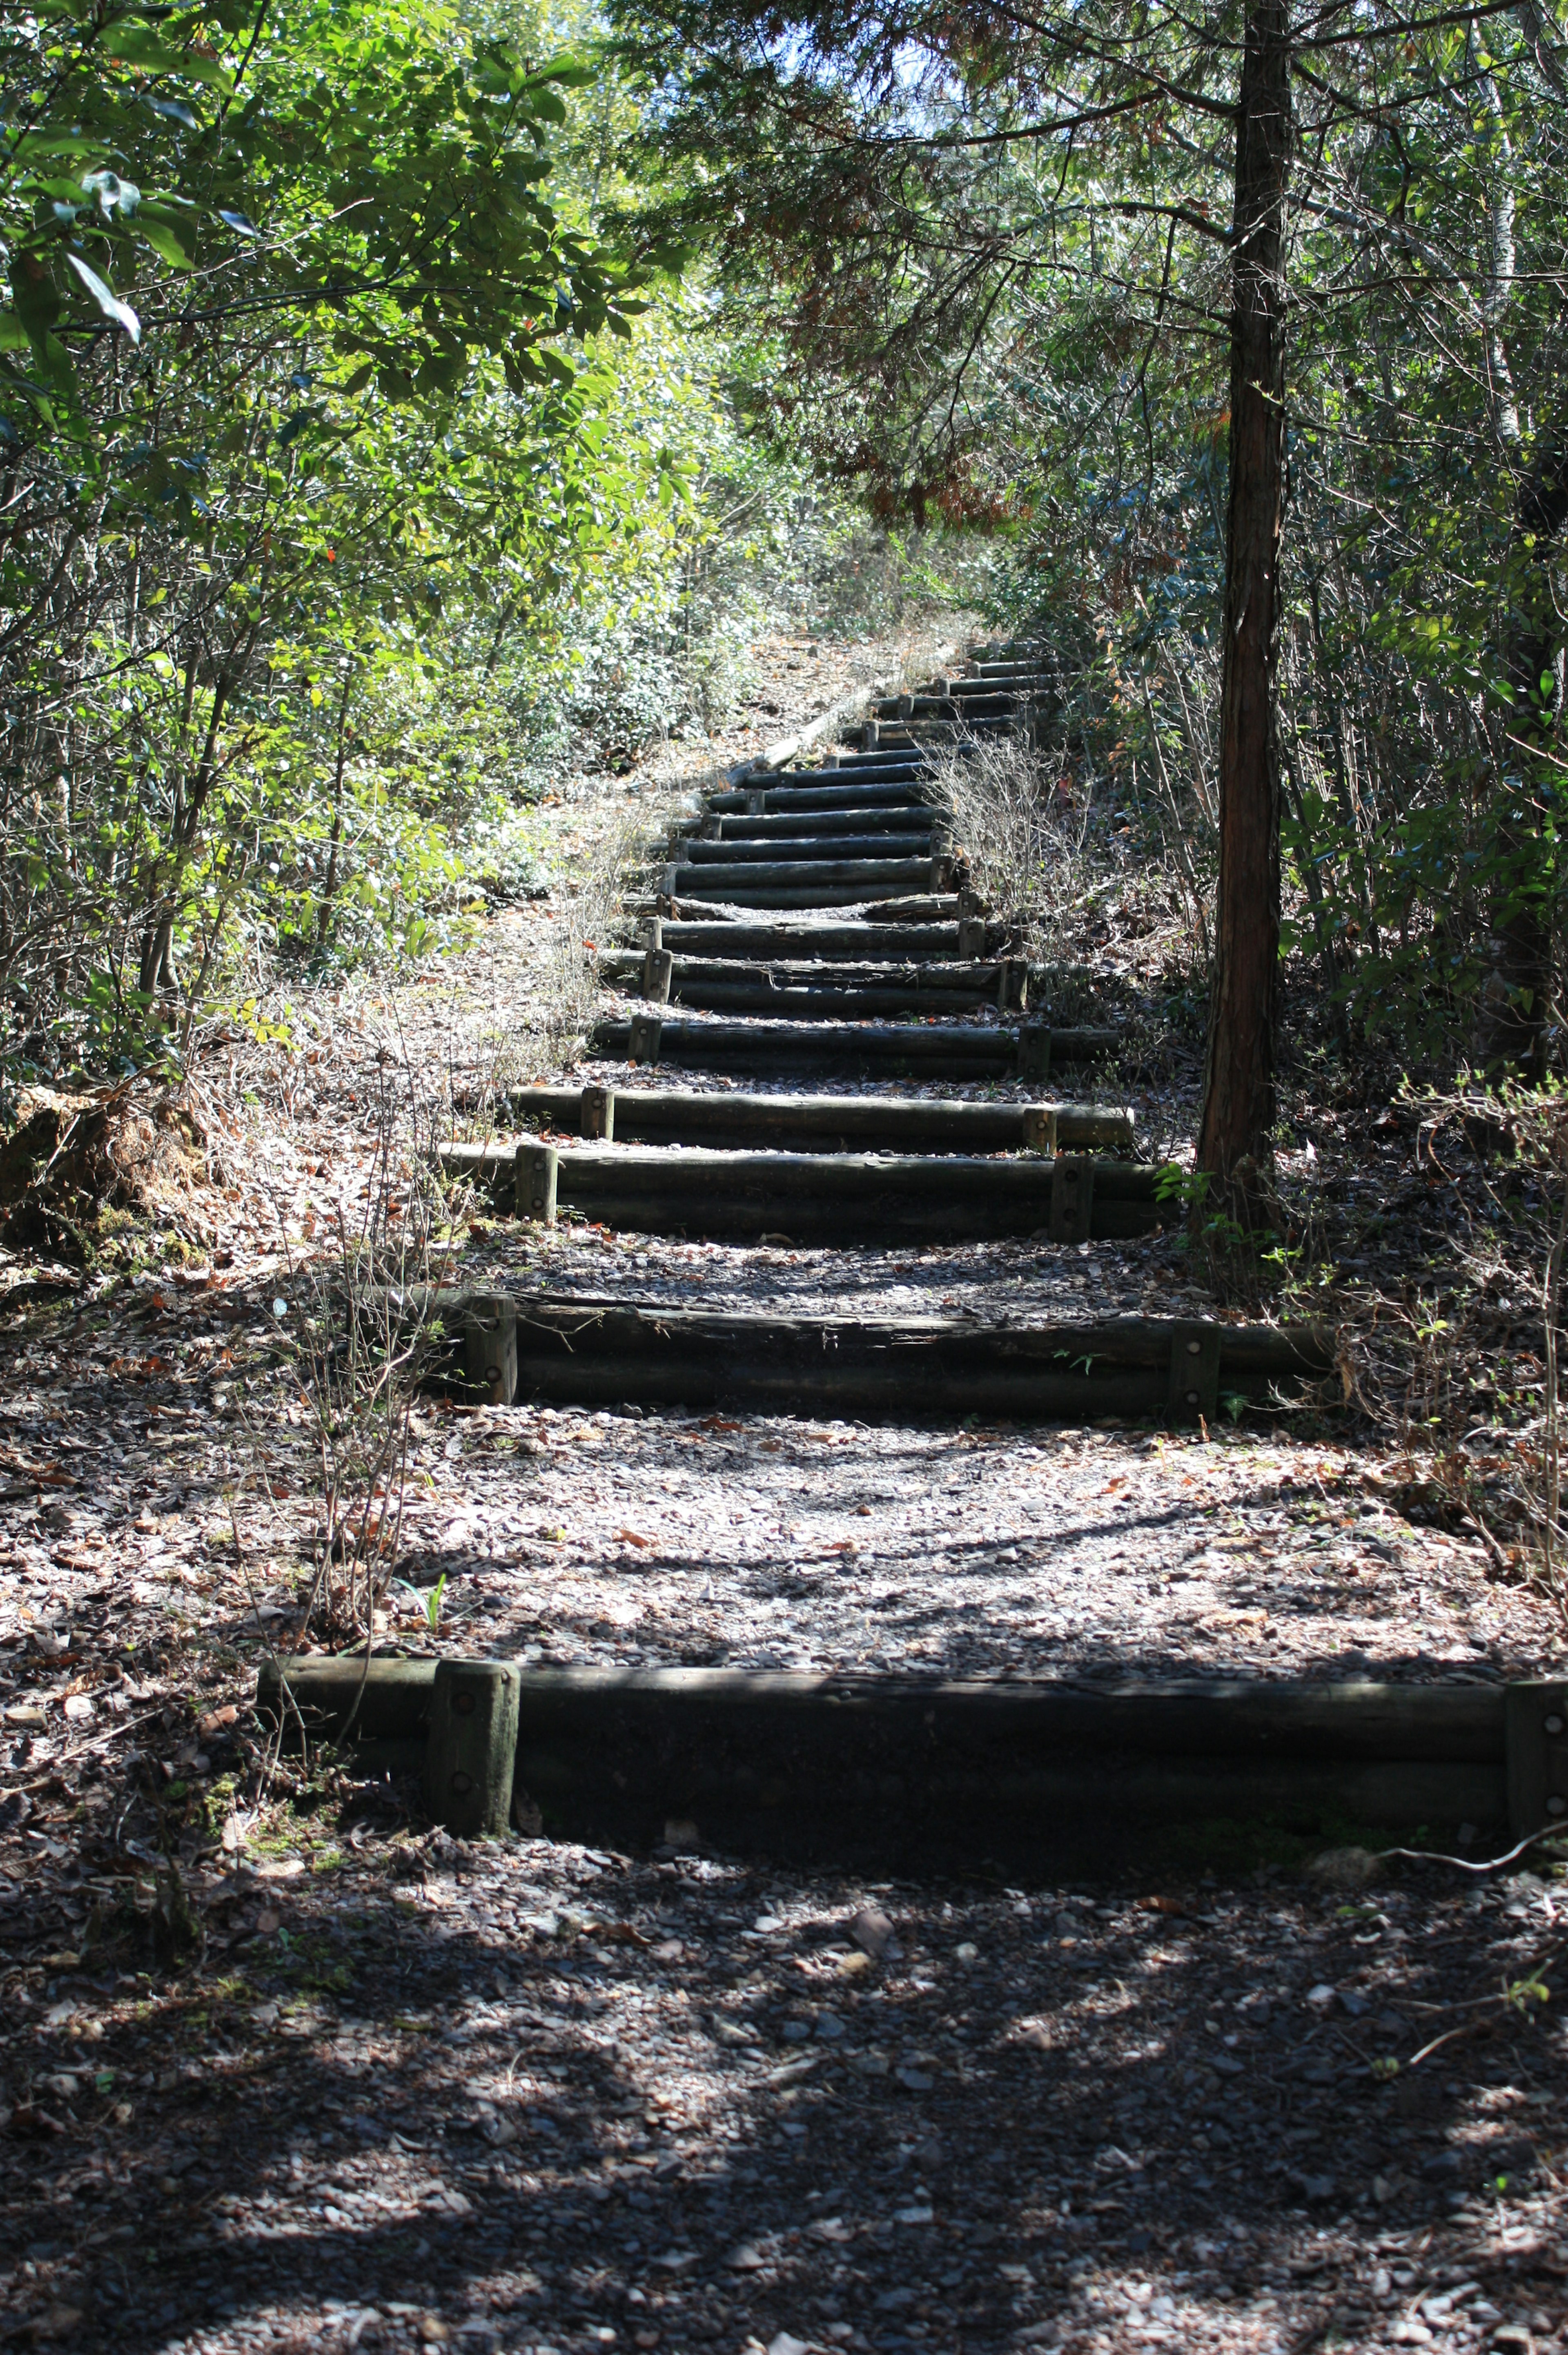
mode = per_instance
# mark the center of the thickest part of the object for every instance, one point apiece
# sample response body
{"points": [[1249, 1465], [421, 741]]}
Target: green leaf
{"points": [[164, 242], [105, 297]]}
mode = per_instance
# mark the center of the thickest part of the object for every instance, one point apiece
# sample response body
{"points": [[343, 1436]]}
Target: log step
{"points": [[802, 1123], [910, 1773], [792, 853], [816, 1199], [825, 942], [926, 1049], [581, 1351], [881, 816]]}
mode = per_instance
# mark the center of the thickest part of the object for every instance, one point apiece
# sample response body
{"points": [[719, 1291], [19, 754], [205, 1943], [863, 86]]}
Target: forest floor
{"points": [[339, 2082]]}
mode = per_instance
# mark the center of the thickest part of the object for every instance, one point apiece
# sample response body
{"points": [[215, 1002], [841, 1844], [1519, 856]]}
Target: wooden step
{"points": [[880, 816], [902, 1773], [804, 1123], [812, 1200], [919, 1050], [804, 849], [820, 993], [852, 942], [819, 883], [902, 788], [913, 1368]]}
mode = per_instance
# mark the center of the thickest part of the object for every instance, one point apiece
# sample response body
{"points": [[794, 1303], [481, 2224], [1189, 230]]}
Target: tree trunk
{"points": [[1516, 995], [1234, 1143]]}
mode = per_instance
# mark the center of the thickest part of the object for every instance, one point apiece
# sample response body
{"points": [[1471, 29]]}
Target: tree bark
{"points": [[1234, 1143]]}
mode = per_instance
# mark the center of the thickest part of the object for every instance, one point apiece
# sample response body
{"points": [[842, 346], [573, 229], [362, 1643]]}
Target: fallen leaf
{"points": [[629, 1537]]}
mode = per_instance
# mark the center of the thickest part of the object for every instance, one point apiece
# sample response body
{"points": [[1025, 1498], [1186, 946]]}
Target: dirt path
{"points": [[374, 2089]]}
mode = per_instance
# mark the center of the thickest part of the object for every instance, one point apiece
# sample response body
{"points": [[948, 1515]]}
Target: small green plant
{"points": [[433, 1604]]}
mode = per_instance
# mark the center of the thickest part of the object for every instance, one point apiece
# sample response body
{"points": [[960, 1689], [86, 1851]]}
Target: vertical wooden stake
{"points": [[658, 971], [1071, 1199], [1194, 1373], [472, 1746], [490, 1346], [596, 1113], [757, 805], [536, 1168], [1034, 1051], [652, 931], [648, 1030], [1535, 1720], [972, 938], [1040, 1129]]}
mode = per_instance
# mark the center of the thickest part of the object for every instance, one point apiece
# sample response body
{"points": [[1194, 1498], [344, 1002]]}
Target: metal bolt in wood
{"points": [[538, 1169], [642, 1045], [1034, 1051], [596, 1113], [1071, 1200], [658, 972], [1040, 1129], [471, 1745], [1194, 1389], [1536, 1730], [490, 1347]]}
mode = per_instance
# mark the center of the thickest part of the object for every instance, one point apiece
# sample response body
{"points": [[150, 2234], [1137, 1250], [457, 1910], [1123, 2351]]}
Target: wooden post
{"points": [[652, 931], [670, 886], [1194, 1373], [597, 1114], [490, 1346], [471, 1746], [536, 1167], [757, 804], [1012, 984], [1040, 1129], [969, 901], [643, 1046], [940, 877], [1071, 1200], [1536, 1722], [658, 971], [971, 936], [1034, 1051], [710, 827]]}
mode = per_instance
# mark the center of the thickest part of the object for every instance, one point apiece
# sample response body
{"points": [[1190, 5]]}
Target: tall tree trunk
{"points": [[1234, 1141], [1516, 995]]}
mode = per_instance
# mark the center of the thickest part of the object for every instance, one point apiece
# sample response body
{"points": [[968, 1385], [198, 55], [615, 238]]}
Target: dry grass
{"points": [[1025, 839]]}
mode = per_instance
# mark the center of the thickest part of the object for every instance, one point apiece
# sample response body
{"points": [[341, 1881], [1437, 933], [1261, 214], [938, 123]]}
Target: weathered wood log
{"points": [[470, 1746], [979, 982], [929, 1048], [746, 883], [814, 994], [919, 1772], [852, 1197], [346, 1699], [843, 790], [912, 1369], [886, 815], [1358, 1719], [837, 943], [806, 849], [693, 900], [819, 1123]]}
